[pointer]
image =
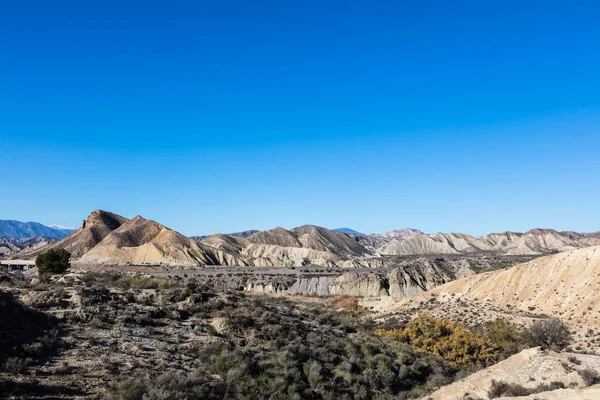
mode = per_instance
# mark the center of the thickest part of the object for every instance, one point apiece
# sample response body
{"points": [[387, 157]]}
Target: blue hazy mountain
{"points": [[23, 230], [347, 230]]}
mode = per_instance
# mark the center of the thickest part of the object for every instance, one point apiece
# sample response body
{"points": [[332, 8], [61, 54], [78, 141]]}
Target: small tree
{"points": [[550, 333], [53, 261], [507, 335]]}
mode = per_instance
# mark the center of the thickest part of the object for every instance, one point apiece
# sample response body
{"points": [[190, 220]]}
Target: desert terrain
{"points": [[144, 312]]}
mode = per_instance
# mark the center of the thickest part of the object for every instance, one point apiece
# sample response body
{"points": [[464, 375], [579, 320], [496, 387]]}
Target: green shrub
{"points": [[507, 336], [16, 365], [589, 376], [24, 331], [277, 351], [504, 389], [53, 261], [574, 360], [549, 333], [132, 389]]}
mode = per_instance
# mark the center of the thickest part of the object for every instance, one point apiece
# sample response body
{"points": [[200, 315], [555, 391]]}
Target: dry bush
{"points": [[507, 335], [349, 303], [590, 377], [504, 389], [277, 348], [452, 342], [25, 331], [550, 333]]}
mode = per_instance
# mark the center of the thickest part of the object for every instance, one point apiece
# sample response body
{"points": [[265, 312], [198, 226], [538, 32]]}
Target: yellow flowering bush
{"points": [[454, 343]]}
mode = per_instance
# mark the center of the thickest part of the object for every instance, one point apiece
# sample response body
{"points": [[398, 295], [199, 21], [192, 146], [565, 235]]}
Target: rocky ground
{"points": [[114, 336], [548, 374], [395, 276], [126, 332]]}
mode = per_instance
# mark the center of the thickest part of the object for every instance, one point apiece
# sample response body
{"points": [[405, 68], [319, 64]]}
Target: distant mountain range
{"points": [[9, 246], [26, 230], [107, 238], [347, 230], [243, 234]]}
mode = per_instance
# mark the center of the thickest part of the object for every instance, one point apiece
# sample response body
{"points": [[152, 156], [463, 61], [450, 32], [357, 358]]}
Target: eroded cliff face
{"points": [[398, 282], [262, 255], [388, 277], [348, 284]]}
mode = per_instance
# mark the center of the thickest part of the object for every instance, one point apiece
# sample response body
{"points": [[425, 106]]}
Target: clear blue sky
{"points": [[228, 115]]}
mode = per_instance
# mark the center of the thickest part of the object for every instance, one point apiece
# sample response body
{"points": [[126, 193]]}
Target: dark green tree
{"points": [[550, 333], [53, 261]]}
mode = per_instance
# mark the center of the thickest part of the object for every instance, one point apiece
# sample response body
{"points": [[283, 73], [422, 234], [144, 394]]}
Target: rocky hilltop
{"points": [[107, 238], [141, 241], [533, 242], [301, 246], [315, 245], [145, 242], [95, 228]]}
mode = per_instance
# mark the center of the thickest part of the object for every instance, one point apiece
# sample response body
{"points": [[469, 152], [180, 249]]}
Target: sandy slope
{"points": [[529, 368], [565, 285], [418, 244]]}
